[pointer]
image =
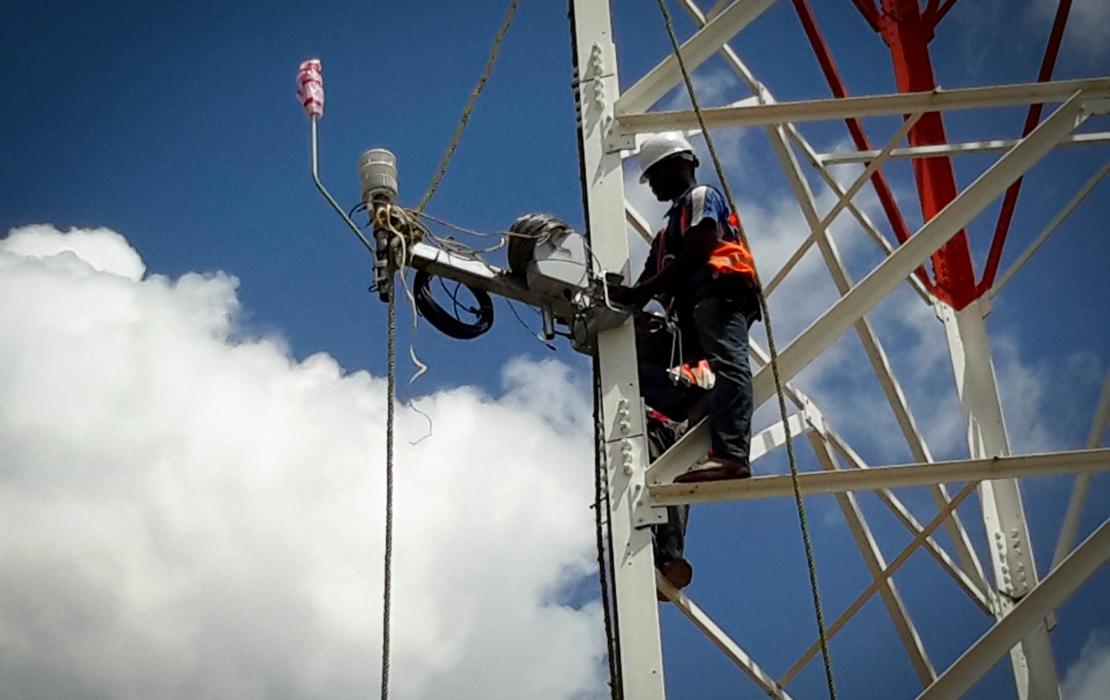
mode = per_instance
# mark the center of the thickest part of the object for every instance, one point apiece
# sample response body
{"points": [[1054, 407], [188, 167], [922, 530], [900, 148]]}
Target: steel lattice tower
{"points": [[1013, 592]]}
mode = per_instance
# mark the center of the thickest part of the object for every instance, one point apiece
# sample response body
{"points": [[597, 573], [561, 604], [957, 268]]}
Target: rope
{"points": [[387, 213], [405, 230], [465, 118], [391, 391], [802, 519]]}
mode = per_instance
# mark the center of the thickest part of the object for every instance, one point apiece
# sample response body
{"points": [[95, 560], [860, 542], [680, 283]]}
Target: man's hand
{"points": [[632, 297]]}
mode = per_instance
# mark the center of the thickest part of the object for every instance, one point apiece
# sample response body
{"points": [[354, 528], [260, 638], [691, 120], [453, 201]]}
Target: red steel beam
{"points": [[1006, 215], [908, 35], [836, 84]]}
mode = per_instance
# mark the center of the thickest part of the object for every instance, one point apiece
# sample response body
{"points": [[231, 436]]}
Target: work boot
{"points": [[678, 573], [716, 469]]}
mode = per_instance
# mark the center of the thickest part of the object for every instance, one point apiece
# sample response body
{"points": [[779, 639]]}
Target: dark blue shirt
{"points": [[698, 204]]}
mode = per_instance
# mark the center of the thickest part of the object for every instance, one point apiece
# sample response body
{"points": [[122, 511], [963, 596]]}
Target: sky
{"points": [[193, 394]]}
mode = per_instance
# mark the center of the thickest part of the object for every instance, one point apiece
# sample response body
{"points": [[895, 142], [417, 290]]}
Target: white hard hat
{"points": [[658, 147]]}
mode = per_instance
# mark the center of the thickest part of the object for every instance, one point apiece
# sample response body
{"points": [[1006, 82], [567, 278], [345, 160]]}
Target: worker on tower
{"points": [[704, 276]]}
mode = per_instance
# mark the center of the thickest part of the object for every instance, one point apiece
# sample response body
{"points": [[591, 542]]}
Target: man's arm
{"points": [[698, 244]]}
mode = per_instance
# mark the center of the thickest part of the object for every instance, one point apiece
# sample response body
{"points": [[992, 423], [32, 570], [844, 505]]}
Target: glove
{"points": [[627, 296], [699, 375]]}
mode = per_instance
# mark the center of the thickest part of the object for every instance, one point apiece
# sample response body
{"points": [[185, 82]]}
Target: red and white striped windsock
{"points": [[310, 87]]}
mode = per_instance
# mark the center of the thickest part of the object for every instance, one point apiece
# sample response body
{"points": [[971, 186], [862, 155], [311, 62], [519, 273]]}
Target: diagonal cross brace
{"points": [[704, 43]]}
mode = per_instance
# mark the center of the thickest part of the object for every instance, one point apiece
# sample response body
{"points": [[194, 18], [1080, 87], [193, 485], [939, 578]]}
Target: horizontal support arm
{"points": [[763, 442], [869, 105], [1077, 461], [953, 149], [475, 274]]}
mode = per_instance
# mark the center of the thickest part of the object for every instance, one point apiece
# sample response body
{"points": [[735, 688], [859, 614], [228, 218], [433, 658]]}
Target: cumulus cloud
{"points": [[101, 249], [185, 513], [1089, 677]]}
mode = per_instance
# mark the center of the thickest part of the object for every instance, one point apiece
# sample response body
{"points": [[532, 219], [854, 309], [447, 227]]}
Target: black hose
{"points": [[445, 322]]}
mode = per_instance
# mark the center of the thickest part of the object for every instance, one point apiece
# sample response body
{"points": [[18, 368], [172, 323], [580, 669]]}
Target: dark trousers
{"points": [[669, 538], [721, 325]]}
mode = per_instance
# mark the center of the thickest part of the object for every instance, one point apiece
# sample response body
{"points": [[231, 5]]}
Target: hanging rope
{"points": [[465, 118], [391, 391], [391, 344], [802, 519]]}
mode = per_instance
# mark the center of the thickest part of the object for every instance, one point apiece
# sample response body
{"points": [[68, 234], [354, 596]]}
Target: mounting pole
{"points": [[377, 171], [621, 410]]}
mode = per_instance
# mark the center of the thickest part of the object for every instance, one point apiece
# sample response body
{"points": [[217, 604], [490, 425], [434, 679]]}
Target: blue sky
{"points": [[177, 126]]}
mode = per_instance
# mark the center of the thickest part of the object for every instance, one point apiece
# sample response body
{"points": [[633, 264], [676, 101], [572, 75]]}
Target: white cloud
{"points": [[1089, 677], [101, 249], [187, 514]]}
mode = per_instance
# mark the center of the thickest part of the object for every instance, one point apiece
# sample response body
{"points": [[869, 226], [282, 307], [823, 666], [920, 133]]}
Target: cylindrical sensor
{"points": [[377, 170]]}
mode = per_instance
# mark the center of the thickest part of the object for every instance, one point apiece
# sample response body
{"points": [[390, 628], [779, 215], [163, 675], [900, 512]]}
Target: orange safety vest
{"points": [[732, 257]]}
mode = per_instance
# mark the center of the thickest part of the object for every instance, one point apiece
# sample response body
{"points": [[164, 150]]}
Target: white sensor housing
{"points": [[377, 171]]}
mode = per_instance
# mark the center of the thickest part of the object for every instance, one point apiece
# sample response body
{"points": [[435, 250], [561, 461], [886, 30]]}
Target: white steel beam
{"points": [[1049, 229], [935, 233], [889, 274], [712, 630], [843, 283], [875, 563], [896, 398], [695, 50], [1009, 544], [861, 216], [971, 580], [818, 229], [765, 441], [1057, 587], [892, 477], [869, 105], [953, 149], [1082, 481], [638, 222], [976, 589], [868, 338], [879, 580], [473, 273], [636, 614]]}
